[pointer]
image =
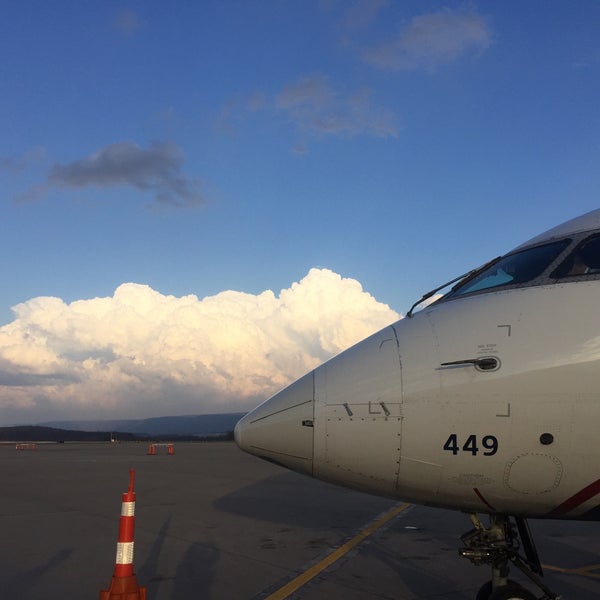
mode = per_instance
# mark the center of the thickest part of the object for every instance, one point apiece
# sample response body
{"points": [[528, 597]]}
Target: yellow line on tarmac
{"points": [[302, 579], [582, 571]]}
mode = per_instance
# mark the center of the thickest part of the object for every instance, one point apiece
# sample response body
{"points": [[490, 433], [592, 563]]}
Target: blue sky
{"points": [[195, 148]]}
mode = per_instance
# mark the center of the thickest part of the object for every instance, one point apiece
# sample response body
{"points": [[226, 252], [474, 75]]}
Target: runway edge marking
{"points": [[302, 579]]}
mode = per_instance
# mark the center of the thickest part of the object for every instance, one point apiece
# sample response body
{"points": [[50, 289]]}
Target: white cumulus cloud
{"points": [[140, 353]]}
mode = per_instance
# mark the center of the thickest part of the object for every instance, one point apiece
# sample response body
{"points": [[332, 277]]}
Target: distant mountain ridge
{"points": [[180, 425], [36, 433]]}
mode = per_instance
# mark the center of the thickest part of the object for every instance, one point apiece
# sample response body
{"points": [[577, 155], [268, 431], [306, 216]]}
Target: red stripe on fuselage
{"points": [[480, 496], [576, 500]]}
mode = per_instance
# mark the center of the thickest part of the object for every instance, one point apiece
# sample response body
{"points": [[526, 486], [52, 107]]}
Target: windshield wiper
{"points": [[462, 279]]}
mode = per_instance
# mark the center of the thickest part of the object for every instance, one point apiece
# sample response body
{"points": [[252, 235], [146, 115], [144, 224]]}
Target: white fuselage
{"points": [[546, 383], [516, 435]]}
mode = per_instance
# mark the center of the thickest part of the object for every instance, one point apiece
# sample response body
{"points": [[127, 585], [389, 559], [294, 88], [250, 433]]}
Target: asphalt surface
{"points": [[215, 523]]}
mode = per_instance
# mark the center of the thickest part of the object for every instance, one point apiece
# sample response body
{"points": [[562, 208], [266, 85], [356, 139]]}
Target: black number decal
{"points": [[489, 443], [452, 444], [471, 445]]}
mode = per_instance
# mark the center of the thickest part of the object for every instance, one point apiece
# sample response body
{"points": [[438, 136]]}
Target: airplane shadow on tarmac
{"points": [[396, 555], [299, 501]]}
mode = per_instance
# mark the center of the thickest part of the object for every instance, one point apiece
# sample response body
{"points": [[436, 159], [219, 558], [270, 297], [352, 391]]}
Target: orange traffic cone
{"points": [[123, 585]]}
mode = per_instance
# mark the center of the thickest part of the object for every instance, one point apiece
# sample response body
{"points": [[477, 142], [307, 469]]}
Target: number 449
{"points": [[489, 443]]}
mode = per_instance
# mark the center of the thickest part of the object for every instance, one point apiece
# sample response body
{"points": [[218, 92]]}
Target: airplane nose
{"points": [[281, 429]]}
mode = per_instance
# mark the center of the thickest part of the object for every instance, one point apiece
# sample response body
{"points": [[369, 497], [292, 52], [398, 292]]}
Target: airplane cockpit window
{"points": [[512, 269], [584, 260]]}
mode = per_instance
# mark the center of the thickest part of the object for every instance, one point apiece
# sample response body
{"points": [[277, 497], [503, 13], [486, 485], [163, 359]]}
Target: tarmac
{"points": [[215, 523]]}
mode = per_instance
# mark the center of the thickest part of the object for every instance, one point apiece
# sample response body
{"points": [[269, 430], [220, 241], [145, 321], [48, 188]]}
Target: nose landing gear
{"points": [[498, 544]]}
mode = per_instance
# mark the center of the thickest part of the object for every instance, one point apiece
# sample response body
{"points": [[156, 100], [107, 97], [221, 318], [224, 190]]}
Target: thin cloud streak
{"points": [[17, 164], [314, 106], [361, 14], [319, 108], [127, 22], [316, 109], [432, 40], [139, 352], [156, 169]]}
